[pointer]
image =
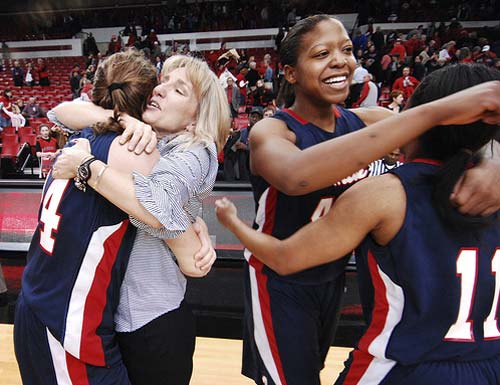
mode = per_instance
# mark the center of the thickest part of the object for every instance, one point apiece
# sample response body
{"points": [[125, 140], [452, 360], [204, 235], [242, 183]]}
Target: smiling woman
{"points": [[301, 159]]}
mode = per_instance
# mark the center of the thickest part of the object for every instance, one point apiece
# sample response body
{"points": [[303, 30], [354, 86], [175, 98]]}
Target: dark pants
{"points": [[236, 165], [161, 352]]}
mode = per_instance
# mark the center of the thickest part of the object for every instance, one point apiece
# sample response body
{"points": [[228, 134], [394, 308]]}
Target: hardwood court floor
{"points": [[216, 361]]}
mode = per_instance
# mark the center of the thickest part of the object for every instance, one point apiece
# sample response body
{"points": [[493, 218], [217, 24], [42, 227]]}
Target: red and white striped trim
{"points": [[68, 369], [370, 364], [89, 295], [264, 334]]}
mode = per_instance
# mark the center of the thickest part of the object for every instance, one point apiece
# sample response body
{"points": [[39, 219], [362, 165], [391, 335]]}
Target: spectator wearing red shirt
{"points": [[242, 84], [413, 45], [5, 103], [42, 73], [46, 149], [406, 83], [398, 50], [114, 45]]}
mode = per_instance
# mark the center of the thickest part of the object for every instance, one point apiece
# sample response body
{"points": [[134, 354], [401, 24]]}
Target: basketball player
{"points": [[432, 271], [302, 172]]}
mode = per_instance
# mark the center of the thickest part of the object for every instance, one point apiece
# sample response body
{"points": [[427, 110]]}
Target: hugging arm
{"points": [[477, 192], [79, 115], [116, 184], [375, 205], [295, 172]]}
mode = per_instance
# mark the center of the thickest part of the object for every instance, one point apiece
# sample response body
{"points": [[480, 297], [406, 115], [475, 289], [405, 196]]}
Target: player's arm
{"points": [[192, 249], [375, 205], [79, 115], [296, 172], [477, 193]]}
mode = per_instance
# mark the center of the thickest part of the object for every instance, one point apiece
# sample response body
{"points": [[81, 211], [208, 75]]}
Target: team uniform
{"points": [[282, 342], [64, 326], [434, 298]]}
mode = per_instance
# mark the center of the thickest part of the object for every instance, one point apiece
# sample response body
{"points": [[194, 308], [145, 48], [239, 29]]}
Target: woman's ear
{"points": [[289, 72]]}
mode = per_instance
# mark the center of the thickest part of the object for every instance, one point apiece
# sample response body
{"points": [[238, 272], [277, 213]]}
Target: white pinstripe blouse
{"points": [[173, 193]]}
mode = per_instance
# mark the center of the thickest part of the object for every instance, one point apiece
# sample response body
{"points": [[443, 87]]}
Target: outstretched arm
{"points": [[295, 172], [375, 205]]}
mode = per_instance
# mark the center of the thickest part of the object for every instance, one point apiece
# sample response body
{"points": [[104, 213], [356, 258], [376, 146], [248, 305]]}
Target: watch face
{"points": [[84, 172]]}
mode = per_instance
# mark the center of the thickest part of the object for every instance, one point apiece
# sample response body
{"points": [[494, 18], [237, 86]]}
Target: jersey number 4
{"points": [[462, 329], [50, 217]]}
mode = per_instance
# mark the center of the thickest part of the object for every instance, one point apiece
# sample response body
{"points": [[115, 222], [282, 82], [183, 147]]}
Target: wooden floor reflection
{"points": [[216, 361]]}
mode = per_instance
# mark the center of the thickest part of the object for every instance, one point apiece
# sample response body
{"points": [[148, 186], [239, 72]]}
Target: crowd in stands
{"points": [[28, 89], [181, 16], [390, 66]]}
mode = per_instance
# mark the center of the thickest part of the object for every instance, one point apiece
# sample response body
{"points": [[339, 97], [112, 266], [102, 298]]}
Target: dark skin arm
{"points": [[376, 206], [296, 172]]}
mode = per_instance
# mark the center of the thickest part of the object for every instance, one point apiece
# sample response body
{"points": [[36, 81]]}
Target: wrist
{"points": [[84, 172]]}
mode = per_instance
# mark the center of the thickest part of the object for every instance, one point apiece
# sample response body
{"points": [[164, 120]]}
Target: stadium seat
{"points": [[25, 130], [9, 130], [9, 150], [28, 138], [9, 138]]}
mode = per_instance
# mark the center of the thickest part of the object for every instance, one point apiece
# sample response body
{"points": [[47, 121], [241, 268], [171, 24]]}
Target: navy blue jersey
{"points": [[282, 215], [435, 291], [76, 263]]}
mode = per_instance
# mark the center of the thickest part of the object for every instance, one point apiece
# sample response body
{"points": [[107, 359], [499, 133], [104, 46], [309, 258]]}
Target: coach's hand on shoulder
{"points": [[140, 136], [477, 192], [70, 158]]}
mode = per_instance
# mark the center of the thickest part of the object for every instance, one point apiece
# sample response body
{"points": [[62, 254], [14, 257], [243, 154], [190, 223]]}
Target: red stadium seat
{"points": [[9, 138], [9, 130], [9, 150], [25, 130], [28, 138]]}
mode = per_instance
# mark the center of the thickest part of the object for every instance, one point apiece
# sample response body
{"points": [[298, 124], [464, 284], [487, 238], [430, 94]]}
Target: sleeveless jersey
{"points": [[76, 263], [435, 292], [282, 215]]}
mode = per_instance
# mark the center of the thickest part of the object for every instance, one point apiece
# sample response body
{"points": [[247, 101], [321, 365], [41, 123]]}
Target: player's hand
{"points": [[481, 102], [477, 192], [226, 211], [140, 136], [206, 256], [70, 159]]}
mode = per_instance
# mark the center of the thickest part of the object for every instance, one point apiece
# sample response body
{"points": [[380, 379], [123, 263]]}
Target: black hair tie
{"points": [[115, 86]]}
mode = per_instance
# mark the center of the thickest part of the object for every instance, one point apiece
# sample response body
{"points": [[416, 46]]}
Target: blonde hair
{"points": [[213, 116], [123, 82]]}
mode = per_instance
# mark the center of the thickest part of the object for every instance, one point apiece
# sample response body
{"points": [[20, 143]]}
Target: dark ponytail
{"points": [[457, 146]]}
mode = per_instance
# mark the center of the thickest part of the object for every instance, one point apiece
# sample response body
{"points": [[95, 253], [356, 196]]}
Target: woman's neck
{"points": [[321, 115]]}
